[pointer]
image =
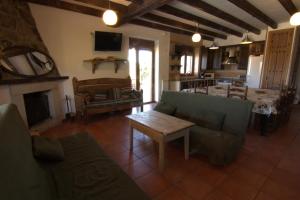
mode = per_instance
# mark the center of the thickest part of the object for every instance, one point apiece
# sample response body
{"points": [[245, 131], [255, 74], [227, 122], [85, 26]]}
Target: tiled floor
{"points": [[268, 168]]}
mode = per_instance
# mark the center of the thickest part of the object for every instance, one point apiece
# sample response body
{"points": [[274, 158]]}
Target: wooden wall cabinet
{"points": [[243, 57], [257, 48], [278, 58]]}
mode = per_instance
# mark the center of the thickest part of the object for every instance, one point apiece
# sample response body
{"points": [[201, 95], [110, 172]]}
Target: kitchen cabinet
{"points": [[214, 58], [257, 48], [243, 57]]}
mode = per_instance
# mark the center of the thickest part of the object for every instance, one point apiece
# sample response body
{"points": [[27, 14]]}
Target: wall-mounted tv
{"points": [[107, 41]]}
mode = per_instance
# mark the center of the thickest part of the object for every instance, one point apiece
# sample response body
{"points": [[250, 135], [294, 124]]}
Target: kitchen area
{"points": [[239, 64]]}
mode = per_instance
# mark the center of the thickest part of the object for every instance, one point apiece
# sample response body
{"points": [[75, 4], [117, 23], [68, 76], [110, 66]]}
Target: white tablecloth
{"points": [[265, 100]]}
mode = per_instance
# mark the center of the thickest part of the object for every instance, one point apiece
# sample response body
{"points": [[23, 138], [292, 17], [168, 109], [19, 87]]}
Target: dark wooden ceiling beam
{"points": [[98, 13], [177, 24], [69, 6], [153, 25], [289, 6], [104, 4], [252, 10], [136, 1], [135, 10], [185, 15], [199, 4]]}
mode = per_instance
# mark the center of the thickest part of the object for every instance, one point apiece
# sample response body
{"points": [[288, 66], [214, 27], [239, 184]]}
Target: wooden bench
{"points": [[105, 95]]}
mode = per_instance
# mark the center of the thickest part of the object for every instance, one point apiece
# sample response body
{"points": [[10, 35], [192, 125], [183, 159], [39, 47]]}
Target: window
{"points": [[186, 62]]}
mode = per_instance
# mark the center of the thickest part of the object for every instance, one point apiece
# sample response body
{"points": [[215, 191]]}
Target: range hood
{"points": [[232, 56]]}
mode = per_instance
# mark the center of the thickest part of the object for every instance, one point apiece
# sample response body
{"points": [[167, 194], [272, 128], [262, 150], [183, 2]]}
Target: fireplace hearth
{"points": [[37, 107]]}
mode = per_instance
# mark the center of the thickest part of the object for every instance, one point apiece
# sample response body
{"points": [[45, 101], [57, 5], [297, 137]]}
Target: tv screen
{"points": [[107, 41]]}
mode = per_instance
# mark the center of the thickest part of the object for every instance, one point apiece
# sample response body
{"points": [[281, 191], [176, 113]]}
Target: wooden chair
{"points": [[237, 92], [201, 87], [238, 83]]}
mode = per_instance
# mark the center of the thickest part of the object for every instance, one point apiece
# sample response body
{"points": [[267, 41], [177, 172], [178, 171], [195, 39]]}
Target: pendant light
{"points": [[110, 17], [246, 39], [196, 36], [295, 19], [214, 46]]}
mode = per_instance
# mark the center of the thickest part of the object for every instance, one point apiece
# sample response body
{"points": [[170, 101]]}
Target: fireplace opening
{"points": [[37, 107]]}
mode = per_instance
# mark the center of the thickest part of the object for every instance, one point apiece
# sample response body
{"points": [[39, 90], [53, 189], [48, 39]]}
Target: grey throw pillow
{"points": [[209, 119], [47, 149], [165, 108]]}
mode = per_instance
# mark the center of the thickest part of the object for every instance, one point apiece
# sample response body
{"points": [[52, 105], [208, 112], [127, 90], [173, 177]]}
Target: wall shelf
{"points": [[98, 61]]}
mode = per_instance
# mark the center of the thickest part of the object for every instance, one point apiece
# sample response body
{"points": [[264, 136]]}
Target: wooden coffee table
{"points": [[162, 128]]}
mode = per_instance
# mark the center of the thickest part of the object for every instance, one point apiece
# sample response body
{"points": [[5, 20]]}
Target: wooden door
{"points": [[141, 64], [278, 55]]}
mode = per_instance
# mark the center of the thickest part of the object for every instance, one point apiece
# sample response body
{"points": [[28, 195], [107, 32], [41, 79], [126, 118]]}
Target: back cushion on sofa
{"points": [[208, 119], [165, 108]]}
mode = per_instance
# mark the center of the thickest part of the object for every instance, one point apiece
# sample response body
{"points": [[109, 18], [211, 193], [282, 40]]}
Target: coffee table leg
{"points": [[131, 138], [187, 145], [161, 155]]}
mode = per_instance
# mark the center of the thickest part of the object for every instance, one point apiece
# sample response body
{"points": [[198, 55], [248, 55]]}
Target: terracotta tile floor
{"points": [[267, 167]]}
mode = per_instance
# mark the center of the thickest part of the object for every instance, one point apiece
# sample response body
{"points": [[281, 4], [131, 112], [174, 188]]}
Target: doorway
{"points": [[141, 67]]}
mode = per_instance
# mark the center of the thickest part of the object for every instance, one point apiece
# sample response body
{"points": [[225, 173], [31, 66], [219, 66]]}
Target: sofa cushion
{"points": [[88, 173], [47, 149], [208, 119], [165, 108]]}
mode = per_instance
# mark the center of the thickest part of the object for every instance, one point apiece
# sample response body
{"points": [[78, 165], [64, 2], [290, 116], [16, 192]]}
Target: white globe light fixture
{"points": [[295, 19], [196, 37], [110, 17]]}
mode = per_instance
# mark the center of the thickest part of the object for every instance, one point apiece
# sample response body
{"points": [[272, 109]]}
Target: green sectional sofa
{"points": [[221, 123], [85, 173]]}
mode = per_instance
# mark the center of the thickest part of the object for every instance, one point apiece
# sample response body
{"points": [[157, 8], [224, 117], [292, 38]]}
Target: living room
{"points": [[146, 99]]}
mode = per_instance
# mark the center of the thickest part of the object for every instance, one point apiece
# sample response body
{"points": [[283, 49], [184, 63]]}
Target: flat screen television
{"points": [[107, 41]]}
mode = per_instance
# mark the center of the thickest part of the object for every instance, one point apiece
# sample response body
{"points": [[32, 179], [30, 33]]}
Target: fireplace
{"points": [[37, 107]]}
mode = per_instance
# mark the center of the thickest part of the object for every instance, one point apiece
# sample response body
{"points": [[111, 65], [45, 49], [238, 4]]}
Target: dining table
{"points": [[265, 100]]}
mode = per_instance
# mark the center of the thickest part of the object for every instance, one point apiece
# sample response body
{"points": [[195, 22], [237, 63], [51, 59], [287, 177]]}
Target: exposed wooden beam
{"points": [[252, 10], [104, 4], [98, 13], [69, 6], [177, 24], [137, 1], [289, 6], [199, 4], [185, 15], [153, 25], [135, 10]]}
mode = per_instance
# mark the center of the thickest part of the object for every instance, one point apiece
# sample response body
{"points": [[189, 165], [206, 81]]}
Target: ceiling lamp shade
{"points": [[196, 37], [295, 19], [110, 17], [246, 39], [214, 46]]}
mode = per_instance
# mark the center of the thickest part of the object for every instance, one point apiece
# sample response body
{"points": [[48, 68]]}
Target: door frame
{"points": [[141, 44]]}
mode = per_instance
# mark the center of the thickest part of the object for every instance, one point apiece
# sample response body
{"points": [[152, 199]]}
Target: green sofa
{"points": [[86, 173], [221, 123]]}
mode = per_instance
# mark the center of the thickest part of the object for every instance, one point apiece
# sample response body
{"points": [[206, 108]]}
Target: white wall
{"points": [[68, 37]]}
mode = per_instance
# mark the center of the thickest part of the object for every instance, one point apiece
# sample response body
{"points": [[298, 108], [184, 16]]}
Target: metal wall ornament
{"points": [[25, 63]]}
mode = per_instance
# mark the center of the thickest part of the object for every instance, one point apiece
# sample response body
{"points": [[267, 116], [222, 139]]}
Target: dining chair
{"points": [[202, 87], [237, 92]]}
